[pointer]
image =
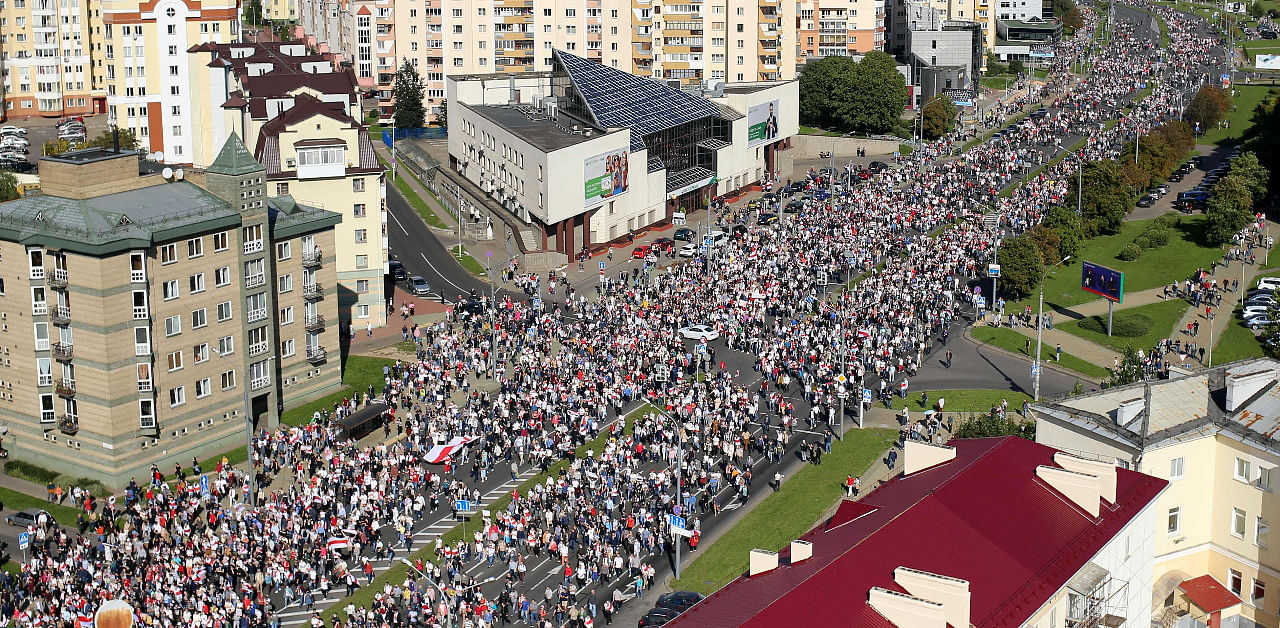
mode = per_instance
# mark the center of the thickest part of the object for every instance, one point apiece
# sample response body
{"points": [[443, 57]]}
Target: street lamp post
{"points": [[493, 328], [1044, 270], [679, 481], [248, 428]]}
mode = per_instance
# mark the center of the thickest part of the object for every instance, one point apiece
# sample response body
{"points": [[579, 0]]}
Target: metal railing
{"points": [[69, 424], [314, 322], [62, 351], [316, 354], [66, 388], [58, 279], [60, 314], [311, 259], [312, 291]]}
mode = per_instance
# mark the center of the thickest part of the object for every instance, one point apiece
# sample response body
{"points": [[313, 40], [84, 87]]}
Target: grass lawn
{"points": [[905, 149], [808, 130], [786, 515], [13, 500], [358, 372], [1237, 342], [1241, 116], [970, 400], [998, 81], [472, 265], [1010, 340], [413, 199], [1163, 316], [1176, 261]]}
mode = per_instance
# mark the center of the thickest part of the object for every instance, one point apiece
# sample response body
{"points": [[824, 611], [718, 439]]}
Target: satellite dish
{"points": [[178, 174], [159, 155], [167, 173]]}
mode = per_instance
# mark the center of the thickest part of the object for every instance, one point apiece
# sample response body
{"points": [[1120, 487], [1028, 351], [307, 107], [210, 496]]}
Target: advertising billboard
{"points": [[1267, 62], [1103, 281], [605, 176], [762, 123]]}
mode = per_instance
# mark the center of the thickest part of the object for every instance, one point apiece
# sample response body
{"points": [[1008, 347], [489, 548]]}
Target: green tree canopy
{"points": [[939, 116], [1130, 369], [1106, 200], [8, 186], [1021, 265], [1263, 135], [839, 93], [1069, 227], [408, 91], [1229, 210], [1255, 175], [1208, 106]]}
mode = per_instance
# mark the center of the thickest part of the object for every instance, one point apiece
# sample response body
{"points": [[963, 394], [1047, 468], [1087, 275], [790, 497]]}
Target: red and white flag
{"points": [[438, 453], [338, 542]]}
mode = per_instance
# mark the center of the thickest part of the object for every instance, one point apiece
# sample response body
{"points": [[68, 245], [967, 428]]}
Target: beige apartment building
{"points": [[47, 57], [359, 34], [139, 315], [839, 28], [1212, 435]]}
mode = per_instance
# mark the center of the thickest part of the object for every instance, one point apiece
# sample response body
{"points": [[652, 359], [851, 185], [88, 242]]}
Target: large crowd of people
{"points": [[560, 378]]}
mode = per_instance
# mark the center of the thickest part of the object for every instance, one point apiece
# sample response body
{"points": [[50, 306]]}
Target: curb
{"points": [[968, 335]]}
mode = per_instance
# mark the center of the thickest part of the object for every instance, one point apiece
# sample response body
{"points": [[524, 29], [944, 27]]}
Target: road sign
{"points": [[24, 541], [676, 522], [822, 277], [993, 270], [601, 265], [462, 505], [866, 395], [682, 532], [1035, 369], [204, 485]]}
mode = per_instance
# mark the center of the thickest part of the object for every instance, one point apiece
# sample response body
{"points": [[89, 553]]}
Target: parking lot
{"points": [[42, 130]]}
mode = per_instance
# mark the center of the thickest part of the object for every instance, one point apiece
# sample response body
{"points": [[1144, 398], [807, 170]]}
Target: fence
{"points": [[419, 133]]}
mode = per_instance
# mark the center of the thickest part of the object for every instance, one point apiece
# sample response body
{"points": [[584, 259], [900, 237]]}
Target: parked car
{"points": [[1147, 200], [9, 129], [679, 600], [1254, 311], [688, 250], [27, 517], [663, 245], [396, 270], [1259, 322], [877, 166], [1176, 176], [641, 252], [657, 617], [419, 286], [699, 332], [767, 219], [1269, 283], [683, 233]]}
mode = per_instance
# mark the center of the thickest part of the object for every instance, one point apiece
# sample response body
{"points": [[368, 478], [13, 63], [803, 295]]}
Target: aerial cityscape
{"points": [[484, 313]]}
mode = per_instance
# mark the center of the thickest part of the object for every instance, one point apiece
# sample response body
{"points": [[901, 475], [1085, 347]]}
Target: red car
{"points": [[640, 252], [665, 245]]}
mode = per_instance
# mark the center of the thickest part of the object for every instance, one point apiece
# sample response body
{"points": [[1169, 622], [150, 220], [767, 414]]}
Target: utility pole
{"points": [[393, 146], [493, 307], [1044, 271]]}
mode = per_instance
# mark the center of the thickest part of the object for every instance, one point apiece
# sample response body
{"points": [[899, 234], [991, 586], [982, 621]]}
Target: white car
{"points": [[1269, 283], [699, 332], [1253, 311], [13, 140], [689, 250], [9, 129]]}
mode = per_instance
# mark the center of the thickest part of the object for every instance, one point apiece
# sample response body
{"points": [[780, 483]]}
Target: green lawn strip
{"points": [[1175, 261], [1240, 117], [905, 149], [472, 265], [1163, 317], [998, 81], [786, 515], [1010, 340], [809, 130], [968, 400], [1237, 342], [42, 476], [14, 500], [395, 575], [414, 200], [358, 372]]}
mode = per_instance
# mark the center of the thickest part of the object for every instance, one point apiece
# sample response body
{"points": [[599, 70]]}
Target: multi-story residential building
{"points": [[1212, 436], [139, 316], [359, 34], [839, 28], [321, 156], [148, 73], [47, 57]]}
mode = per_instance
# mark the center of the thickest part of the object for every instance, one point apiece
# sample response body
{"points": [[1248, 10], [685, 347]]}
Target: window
{"points": [[1263, 479], [222, 276], [362, 311], [224, 311], [362, 261], [144, 377], [1261, 532], [1259, 591], [1237, 522], [362, 286], [220, 242], [284, 283], [1175, 520], [142, 341], [42, 336], [46, 409], [44, 372], [195, 247], [362, 236], [287, 348], [177, 396], [1234, 581], [200, 352], [203, 388], [171, 289], [168, 254], [228, 380], [286, 315], [1242, 470], [282, 189], [175, 360], [226, 345], [323, 156], [357, 185], [1176, 467], [196, 283], [173, 326], [358, 210], [147, 413], [283, 251]]}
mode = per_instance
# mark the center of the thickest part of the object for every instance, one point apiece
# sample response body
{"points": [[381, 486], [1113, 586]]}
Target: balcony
{"points": [[314, 322], [58, 280], [60, 315], [259, 383], [312, 291], [252, 246], [66, 388], [39, 308], [62, 351], [69, 424], [257, 348], [254, 281], [137, 276], [311, 259], [139, 312], [257, 315], [315, 355]]}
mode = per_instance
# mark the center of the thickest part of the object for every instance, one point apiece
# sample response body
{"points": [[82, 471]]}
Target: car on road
{"points": [[419, 286], [1160, 190], [684, 233], [877, 167], [688, 250], [679, 600], [1147, 200], [1175, 177], [657, 617], [699, 332], [664, 245], [641, 252], [396, 270], [793, 207], [27, 517], [767, 219]]}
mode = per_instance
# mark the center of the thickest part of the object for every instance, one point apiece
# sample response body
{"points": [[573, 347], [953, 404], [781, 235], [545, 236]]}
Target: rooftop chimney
{"points": [[762, 561], [1242, 386], [1128, 411], [951, 593], [1105, 471], [906, 611], [1083, 489], [919, 455]]}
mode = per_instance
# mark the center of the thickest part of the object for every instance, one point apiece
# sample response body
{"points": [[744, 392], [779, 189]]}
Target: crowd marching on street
{"points": [[560, 373]]}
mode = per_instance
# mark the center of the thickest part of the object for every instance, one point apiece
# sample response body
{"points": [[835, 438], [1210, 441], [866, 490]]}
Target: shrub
{"points": [[1130, 253], [1142, 242], [1158, 237], [43, 476], [1167, 221], [1124, 324]]}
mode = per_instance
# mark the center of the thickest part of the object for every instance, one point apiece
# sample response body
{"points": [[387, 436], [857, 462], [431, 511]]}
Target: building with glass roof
{"points": [[586, 154]]}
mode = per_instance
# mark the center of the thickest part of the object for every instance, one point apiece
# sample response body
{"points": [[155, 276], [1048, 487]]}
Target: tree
{"points": [[1255, 175], [1271, 333], [839, 93], [105, 139], [1073, 18], [1256, 11], [994, 67], [1047, 241], [8, 186], [1016, 67], [1263, 135], [1229, 210], [443, 116], [407, 91], [990, 424], [1068, 226], [1130, 370], [253, 12], [1021, 265], [1107, 197], [1208, 106], [939, 116]]}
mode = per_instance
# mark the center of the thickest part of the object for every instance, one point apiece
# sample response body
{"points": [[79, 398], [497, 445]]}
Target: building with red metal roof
{"points": [[994, 533]]}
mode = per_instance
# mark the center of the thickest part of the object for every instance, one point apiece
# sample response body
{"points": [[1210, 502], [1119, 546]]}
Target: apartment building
{"points": [[148, 73], [359, 34], [927, 15], [322, 157], [139, 315], [1212, 436], [839, 28], [47, 57]]}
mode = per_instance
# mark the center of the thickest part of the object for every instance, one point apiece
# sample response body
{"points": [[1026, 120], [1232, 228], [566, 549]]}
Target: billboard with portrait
{"points": [[605, 176], [762, 123], [1103, 281]]}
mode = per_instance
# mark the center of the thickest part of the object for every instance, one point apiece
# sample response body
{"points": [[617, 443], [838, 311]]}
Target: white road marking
{"points": [[398, 223], [442, 275]]}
